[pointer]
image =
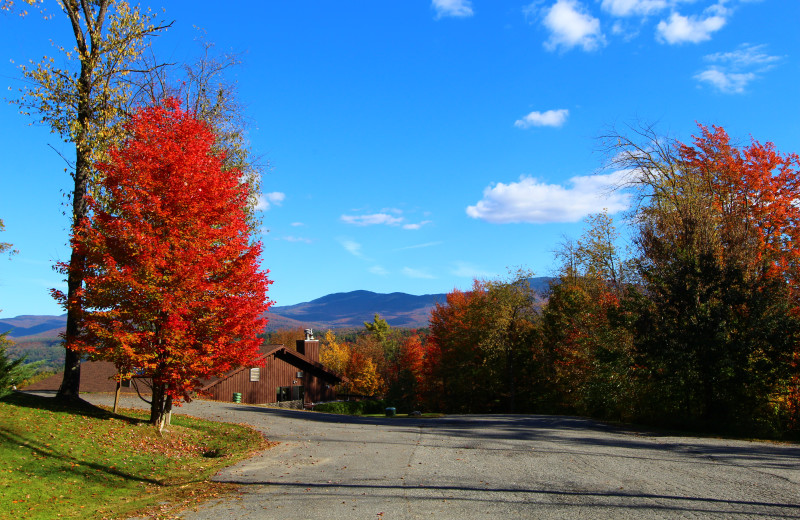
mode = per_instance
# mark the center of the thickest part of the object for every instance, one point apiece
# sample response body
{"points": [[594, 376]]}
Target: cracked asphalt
{"points": [[492, 466]]}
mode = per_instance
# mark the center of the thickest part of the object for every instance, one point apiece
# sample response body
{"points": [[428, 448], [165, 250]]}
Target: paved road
{"points": [[494, 466]]}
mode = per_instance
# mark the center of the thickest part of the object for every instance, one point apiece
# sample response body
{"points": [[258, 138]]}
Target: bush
{"points": [[352, 407]]}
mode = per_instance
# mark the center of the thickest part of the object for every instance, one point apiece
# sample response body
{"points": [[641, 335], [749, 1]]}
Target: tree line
{"points": [[696, 325]]}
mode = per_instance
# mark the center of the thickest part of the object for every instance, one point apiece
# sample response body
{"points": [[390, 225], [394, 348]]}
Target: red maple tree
{"points": [[173, 289]]}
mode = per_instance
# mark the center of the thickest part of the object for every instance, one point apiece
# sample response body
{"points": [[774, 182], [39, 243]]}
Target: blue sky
{"points": [[414, 145]]}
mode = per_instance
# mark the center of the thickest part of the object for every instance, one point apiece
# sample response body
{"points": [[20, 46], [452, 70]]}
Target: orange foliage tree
{"points": [[405, 389], [479, 348], [173, 288]]}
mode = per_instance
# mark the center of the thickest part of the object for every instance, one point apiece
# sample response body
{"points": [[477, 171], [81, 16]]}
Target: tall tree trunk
{"points": [[70, 385]]}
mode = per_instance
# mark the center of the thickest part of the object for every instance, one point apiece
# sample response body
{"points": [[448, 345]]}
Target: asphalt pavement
{"points": [[490, 467]]}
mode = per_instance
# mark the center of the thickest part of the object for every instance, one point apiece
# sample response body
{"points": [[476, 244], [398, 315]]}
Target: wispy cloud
{"points": [[452, 8], [532, 201], [352, 247], [417, 273], [295, 239], [371, 220], [378, 270], [386, 217], [467, 270], [417, 225], [731, 72], [555, 118], [570, 25], [692, 29], [419, 246], [266, 200], [297, 224]]}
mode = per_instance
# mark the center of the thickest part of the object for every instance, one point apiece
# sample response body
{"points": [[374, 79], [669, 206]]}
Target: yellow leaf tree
{"points": [[84, 103], [333, 354]]}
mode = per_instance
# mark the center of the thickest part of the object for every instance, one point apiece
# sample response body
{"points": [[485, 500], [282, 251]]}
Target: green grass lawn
{"points": [[59, 462]]}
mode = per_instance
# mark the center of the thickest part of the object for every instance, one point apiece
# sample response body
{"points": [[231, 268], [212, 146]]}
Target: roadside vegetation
{"points": [[59, 461]]}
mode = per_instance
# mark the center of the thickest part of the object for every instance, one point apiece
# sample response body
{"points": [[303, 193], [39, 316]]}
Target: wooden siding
{"points": [[309, 348], [279, 369]]}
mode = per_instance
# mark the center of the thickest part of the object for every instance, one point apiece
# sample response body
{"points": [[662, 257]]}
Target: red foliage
{"points": [[173, 288], [411, 355], [756, 189]]}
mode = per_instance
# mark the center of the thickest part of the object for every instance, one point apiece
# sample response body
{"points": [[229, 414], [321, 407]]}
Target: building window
{"points": [[283, 393], [255, 374]]}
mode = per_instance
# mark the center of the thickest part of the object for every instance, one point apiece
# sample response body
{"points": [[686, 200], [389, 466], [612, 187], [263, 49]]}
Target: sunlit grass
{"points": [[59, 462]]}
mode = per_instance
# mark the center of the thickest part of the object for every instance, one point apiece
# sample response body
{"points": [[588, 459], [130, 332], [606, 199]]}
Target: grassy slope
{"points": [[57, 462]]}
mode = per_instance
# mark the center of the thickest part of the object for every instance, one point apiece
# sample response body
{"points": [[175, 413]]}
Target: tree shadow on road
{"points": [[538, 497], [501, 432]]}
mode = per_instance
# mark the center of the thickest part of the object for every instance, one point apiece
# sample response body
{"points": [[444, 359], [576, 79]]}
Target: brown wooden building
{"points": [[285, 375], [280, 374]]}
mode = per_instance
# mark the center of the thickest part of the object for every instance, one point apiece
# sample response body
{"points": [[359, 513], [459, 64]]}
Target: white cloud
{"points": [[533, 201], [727, 82], [352, 247], [454, 8], [371, 220], [634, 7], [265, 200], [554, 118], [731, 72], [417, 273], [297, 224], [692, 29], [571, 25]]}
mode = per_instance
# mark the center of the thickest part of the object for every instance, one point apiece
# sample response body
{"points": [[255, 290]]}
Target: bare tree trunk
{"points": [[168, 411], [160, 407]]}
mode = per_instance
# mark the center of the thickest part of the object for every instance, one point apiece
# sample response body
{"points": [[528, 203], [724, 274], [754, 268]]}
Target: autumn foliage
{"points": [[698, 326], [173, 288]]}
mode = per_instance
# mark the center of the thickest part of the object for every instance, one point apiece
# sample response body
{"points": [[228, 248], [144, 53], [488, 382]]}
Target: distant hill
{"points": [[352, 309], [44, 327]]}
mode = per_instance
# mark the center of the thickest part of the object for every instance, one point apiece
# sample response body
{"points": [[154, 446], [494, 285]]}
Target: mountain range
{"points": [[334, 311]]}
